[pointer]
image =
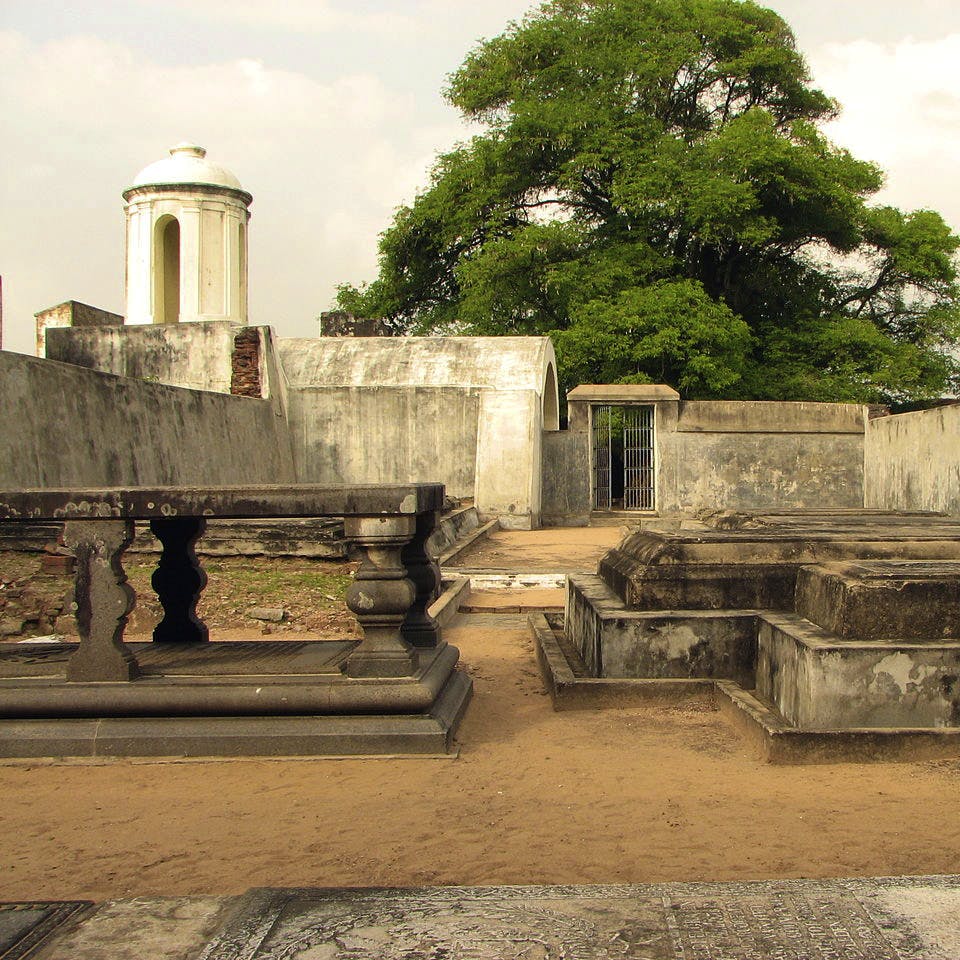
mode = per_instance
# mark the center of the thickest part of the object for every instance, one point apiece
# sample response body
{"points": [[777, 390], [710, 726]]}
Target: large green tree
{"points": [[652, 190]]}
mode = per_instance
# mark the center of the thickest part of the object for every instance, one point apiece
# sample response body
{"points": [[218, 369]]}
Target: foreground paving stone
{"points": [[25, 925], [147, 928], [899, 919]]}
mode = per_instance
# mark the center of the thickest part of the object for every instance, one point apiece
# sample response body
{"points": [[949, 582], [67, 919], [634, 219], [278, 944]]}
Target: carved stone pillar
{"points": [[419, 628], [380, 597], [179, 580], [104, 599]]}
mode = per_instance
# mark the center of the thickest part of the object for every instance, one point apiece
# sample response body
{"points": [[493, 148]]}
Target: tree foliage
{"points": [[652, 190]]}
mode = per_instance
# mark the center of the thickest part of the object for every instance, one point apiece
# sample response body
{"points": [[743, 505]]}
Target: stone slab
{"points": [[239, 502], [894, 919], [145, 928], [25, 926], [252, 694], [753, 562], [882, 599]]}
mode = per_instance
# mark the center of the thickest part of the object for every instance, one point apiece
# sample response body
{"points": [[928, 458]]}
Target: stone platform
{"points": [[840, 627], [916, 918]]}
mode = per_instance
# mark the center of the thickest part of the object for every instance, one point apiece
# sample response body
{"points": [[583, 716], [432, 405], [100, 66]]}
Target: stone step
{"points": [[513, 601], [882, 599]]}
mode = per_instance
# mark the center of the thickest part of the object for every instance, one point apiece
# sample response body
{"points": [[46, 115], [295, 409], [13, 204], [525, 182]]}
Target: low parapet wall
{"points": [[912, 461], [64, 425], [760, 455]]}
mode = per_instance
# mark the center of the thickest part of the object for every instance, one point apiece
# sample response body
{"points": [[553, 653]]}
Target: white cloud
{"points": [[901, 109], [306, 16], [327, 164]]}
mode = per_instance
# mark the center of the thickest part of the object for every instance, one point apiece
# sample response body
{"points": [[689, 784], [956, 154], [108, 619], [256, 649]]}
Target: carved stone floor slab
{"points": [[900, 919]]}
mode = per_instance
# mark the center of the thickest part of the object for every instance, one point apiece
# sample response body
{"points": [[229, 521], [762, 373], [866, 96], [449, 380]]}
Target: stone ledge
{"points": [[426, 734]]}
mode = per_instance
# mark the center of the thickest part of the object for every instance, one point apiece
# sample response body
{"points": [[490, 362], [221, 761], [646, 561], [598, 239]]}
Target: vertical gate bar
{"points": [[638, 458], [601, 457]]}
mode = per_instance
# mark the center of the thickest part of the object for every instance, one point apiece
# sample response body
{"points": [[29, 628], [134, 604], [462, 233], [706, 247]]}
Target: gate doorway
{"points": [[624, 475]]}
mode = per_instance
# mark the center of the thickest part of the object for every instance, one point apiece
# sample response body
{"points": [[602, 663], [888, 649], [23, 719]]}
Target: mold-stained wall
{"points": [[118, 431], [912, 461], [741, 455]]}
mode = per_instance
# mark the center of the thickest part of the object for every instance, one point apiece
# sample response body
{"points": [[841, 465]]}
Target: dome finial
{"points": [[187, 149]]}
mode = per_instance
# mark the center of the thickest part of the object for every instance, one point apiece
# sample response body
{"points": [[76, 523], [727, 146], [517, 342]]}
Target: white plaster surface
{"points": [[495, 362], [212, 211], [912, 461]]}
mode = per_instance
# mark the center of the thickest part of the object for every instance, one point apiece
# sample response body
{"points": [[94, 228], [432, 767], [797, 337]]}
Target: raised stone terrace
{"points": [[841, 626]]}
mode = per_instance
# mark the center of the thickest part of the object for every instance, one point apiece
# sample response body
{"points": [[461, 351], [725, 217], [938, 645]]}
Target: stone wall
{"points": [[566, 479], [464, 411], [72, 313], [353, 434], [735, 455], [912, 461], [198, 356], [763, 455], [63, 425]]}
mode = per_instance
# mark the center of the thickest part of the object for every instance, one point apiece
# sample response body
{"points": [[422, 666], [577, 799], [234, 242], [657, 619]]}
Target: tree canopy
{"points": [[651, 189]]}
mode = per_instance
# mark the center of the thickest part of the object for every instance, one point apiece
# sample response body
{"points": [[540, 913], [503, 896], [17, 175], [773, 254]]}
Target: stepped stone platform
{"points": [[842, 623]]}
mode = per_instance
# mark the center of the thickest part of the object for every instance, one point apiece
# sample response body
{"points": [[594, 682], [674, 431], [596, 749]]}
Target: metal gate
{"points": [[623, 435]]}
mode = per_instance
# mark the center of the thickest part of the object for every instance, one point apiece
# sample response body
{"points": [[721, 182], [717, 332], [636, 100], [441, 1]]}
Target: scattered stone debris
{"points": [[10, 627], [269, 614]]}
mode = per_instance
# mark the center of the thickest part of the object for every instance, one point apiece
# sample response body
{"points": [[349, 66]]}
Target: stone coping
{"points": [[235, 502], [624, 392]]}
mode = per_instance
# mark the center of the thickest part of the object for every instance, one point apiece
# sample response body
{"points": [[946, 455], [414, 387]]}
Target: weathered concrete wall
{"points": [[566, 479], [508, 466], [63, 425], [733, 455], [384, 435], [912, 461], [72, 313], [198, 356], [741, 456], [464, 411]]}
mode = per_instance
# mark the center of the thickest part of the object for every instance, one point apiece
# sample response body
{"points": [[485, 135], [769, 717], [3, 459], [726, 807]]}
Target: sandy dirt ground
{"points": [[554, 550], [639, 794]]}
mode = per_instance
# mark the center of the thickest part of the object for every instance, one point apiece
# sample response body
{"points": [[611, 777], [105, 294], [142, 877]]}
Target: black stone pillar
{"points": [[179, 580], [419, 628]]}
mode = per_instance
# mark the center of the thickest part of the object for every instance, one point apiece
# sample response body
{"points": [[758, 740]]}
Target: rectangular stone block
{"points": [[882, 600]]}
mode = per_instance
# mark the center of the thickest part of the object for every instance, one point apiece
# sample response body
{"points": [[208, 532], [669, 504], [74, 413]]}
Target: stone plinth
{"points": [[752, 560], [882, 600], [817, 681]]}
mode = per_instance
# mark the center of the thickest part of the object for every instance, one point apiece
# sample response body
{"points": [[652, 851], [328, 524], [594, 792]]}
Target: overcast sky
{"points": [[330, 113]]}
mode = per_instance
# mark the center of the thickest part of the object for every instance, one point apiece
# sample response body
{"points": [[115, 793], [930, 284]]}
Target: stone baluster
{"points": [[419, 628], [179, 580], [103, 598], [380, 597]]}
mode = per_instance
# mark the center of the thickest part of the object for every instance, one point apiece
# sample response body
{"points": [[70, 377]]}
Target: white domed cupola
{"points": [[187, 223]]}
